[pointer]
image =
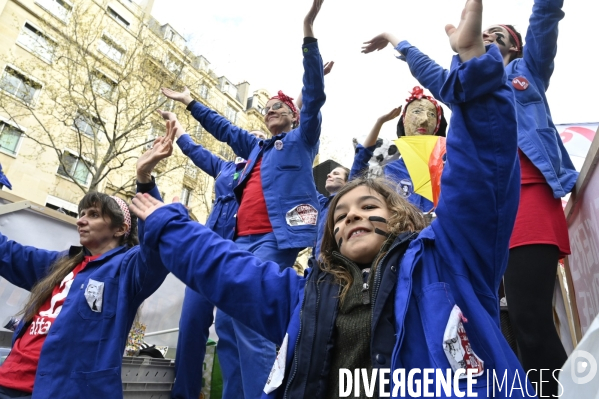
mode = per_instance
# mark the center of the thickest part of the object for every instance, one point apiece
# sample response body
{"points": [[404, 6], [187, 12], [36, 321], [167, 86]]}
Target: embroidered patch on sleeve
{"points": [[457, 345], [277, 373], [301, 215], [93, 295]]}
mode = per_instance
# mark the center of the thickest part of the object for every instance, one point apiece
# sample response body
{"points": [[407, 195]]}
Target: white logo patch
{"points": [[457, 345], [302, 215], [275, 378], [94, 293]]}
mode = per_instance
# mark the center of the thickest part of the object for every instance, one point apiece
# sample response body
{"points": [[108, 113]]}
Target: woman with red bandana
{"points": [[540, 236], [278, 207]]}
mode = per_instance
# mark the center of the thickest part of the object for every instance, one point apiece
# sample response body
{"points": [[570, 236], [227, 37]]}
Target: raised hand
{"points": [[143, 205], [467, 39], [394, 113], [310, 17], [171, 116], [328, 67], [372, 137], [181, 96], [161, 149], [379, 42], [167, 115]]}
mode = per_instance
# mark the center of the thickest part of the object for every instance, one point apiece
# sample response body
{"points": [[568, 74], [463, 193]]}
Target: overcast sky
{"points": [[259, 41]]}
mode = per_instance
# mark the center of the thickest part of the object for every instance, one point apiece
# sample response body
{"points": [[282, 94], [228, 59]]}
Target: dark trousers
{"points": [[529, 286]]}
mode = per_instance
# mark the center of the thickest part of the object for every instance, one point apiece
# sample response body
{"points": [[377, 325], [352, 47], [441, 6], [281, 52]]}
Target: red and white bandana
{"points": [[285, 99], [126, 214], [418, 94]]}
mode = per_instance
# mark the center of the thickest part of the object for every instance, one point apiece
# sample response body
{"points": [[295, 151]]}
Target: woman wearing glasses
{"points": [[278, 202]]}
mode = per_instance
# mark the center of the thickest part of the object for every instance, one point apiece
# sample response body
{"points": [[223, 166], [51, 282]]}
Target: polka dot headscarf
{"points": [[285, 99], [126, 214]]}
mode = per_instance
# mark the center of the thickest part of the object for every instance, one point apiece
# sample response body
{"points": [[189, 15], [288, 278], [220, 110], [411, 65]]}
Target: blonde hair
{"points": [[404, 217]]}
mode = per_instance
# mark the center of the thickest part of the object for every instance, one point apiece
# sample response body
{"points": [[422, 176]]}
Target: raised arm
{"points": [[311, 17], [541, 38], [220, 271], [376, 129], [313, 96], [364, 152], [428, 73], [23, 265], [201, 157], [217, 125], [328, 67], [481, 158], [161, 149], [361, 157]]}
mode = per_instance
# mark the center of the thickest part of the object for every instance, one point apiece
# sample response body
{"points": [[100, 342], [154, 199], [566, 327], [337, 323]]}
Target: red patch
{"points": [[520, 83]]}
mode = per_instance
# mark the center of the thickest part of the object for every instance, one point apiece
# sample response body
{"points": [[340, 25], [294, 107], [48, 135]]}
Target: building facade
{"points": [[79, 86]]}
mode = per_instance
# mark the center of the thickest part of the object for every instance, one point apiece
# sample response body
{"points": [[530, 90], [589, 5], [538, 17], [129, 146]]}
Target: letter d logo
{"points": [[584, 367]]}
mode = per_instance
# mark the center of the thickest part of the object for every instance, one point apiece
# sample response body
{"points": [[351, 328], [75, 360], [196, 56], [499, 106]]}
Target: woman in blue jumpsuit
{"points": [[197, 312], [540, 236], [278, 204], [83, 300]]}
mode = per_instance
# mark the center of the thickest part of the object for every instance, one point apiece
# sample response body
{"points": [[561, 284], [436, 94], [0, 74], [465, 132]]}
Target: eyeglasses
{"points": [[274, 107]]}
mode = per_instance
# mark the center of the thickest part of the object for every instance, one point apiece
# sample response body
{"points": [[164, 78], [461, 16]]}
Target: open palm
{"points": [[466, 39]]}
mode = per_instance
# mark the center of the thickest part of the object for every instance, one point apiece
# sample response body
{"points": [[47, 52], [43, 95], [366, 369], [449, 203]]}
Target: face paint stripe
{"points": [[340, 242], [500, 38], [381, 232], [377, 219], [336, 231]]}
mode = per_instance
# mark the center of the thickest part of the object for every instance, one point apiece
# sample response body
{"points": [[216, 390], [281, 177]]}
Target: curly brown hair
{"points": [[405, 217]]}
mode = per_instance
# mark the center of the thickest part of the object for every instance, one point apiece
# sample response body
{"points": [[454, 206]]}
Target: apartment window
{"points": [[62, 206], [230, 89], [19, 85], [10, 137], [118, 18], [74, 167], [37, 42], [231, 114], [59, 8], [204, 91], [103, 85], [185, 196], [191, 170], [87, 125], [111, 49], [173, 64], [169, 35]]}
